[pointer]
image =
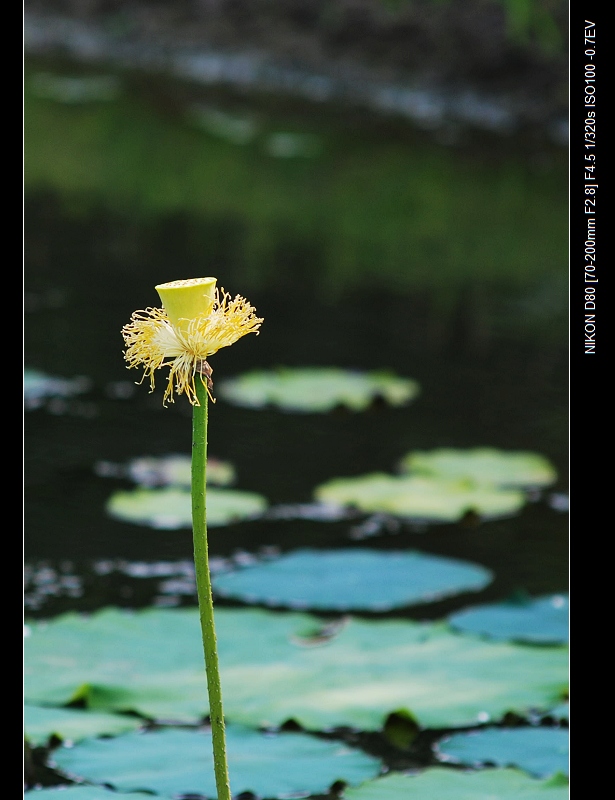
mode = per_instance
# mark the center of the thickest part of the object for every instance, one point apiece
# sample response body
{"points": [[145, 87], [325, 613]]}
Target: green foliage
{"points": [[117, 661], [387, 213], [482, 465], [438, 783], [67, 723], [534, 20], [170, 507], [430, 499], [175, 470], [528, 21], [317, 389]]}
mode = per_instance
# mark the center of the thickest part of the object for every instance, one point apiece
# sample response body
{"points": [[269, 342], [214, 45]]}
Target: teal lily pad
{"points": [[173, 762], [561, 712], [85, 793], [274, 669], [543, 620], [38, 387], [483, 465], [430, 499], [170, 508], [438, 783], [540, 751], [40, 723], [344, 580], [317, 389]]}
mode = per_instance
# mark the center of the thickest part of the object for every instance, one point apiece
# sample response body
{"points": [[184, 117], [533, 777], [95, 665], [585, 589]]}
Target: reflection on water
{"points": [[375, 250]]}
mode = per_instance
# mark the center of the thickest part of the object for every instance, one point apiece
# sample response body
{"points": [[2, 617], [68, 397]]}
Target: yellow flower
{"points": [[196, 321]]}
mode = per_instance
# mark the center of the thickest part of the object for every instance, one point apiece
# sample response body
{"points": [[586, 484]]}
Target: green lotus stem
{"points": [[195, 322], [203, 585]]}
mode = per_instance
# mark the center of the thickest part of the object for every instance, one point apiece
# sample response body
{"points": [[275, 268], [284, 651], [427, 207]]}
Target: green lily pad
{"points": [[482, 465], [170, 508], [317, 389], [343, 580], [67, 723], [175, 470], [152, 662], [239, 130], [75, 90], [543, 620], [540, 751], [438, 783], [173, 762], [293, 145], [430, 499]]}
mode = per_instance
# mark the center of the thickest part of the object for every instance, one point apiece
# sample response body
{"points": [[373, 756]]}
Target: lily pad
{"points": [[175, 470], [430, 499], [317, 389], [484, 465], [170, 508], [293, 145], [75, 90], [543, 620], [152, 662], [39, 387], [85, 793], [561, 712], [344, 580], [173, 762], [67, 723], [540, 751], [438, 783], [239, 130]]}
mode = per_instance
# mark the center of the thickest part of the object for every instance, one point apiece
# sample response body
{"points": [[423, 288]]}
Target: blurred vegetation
{"points": [[388, 211], [526, 20], [480, 40]]}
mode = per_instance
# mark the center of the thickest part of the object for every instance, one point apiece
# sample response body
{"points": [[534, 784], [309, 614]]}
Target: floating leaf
{"points": [[152, 662], [317, 389], [175, 470], [40, 723], [233, 128], [540, 751], [482, 465], [438, 783], [38, 387], [75, 90], [343, 580], [171, 508], [561, 712], [85, 793], [174, 762], [543, 620], [293, 145], [421, 498]]}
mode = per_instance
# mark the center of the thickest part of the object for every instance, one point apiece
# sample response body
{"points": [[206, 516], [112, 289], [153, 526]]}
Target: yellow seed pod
{"points": [[187, 300]]}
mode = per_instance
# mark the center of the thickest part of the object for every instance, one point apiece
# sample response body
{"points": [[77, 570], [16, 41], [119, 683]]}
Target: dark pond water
{"points": [[454, 277], [379, 248]]}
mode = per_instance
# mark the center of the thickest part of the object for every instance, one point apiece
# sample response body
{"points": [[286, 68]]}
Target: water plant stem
{"points": [[203, 584]]}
